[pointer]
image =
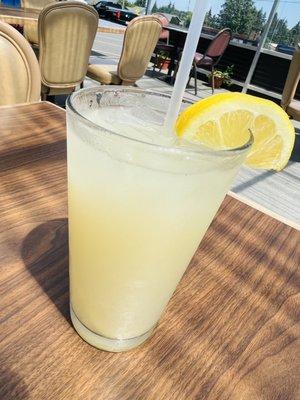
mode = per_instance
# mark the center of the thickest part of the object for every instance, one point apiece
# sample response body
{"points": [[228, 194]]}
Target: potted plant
{"points": [[163, 61], [221, 77]]}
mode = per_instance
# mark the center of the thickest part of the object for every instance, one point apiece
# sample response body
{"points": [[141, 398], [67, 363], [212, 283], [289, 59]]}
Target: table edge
{"points": [[264, 210], [31, 103]]}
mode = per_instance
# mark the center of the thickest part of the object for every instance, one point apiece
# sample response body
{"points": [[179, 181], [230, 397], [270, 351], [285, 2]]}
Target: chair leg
{"points": [[175, 72], [190, 76], [212, 80], [127, 83], [154, 64], [195, 77], [162, 63]]}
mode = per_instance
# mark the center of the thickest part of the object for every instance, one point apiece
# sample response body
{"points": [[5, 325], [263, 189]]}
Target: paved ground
{"points": [[277, 192], [107, 50], [109, 24], [109, 44]]}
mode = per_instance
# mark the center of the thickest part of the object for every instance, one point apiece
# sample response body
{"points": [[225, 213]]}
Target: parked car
{"points": [[283, 48], [114, 12]]}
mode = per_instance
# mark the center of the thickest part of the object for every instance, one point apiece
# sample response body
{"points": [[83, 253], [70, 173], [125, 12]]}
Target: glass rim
{"points": [[186, 150]]}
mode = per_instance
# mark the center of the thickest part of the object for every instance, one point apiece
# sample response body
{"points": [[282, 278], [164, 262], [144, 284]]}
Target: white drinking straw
{"points": [[192, 39]]}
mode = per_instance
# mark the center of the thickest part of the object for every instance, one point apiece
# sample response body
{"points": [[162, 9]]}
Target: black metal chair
{"points": [[211, 57]]}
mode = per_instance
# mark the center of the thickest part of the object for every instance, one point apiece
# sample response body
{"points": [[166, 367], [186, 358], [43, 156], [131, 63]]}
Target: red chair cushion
{"points": [[200, 59]]}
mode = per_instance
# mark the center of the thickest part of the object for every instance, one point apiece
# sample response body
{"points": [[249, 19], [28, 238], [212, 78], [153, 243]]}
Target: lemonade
{"points": [[140, 201]]}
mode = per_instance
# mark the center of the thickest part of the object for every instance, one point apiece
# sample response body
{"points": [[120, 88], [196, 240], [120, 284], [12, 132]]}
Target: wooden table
{"points": [[18, 16], [230, 332]]}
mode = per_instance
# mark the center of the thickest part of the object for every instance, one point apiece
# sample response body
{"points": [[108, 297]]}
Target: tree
{"points": [[238, 15], [169, 9], [187, 18], [140, 3], [260, 20], [294, 34], [211, 20], [154, 8], [279, 32]]}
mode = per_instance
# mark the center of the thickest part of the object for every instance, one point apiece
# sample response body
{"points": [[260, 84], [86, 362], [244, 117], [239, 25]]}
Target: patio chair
{"points": [[19, 69], [163, 45], [30, 28], [66, 34], [211, 57], [291, 106], [140, 38]]}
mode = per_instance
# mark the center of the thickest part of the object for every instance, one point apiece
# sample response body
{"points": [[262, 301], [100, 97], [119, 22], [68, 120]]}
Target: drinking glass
{"points": [[139, 204]]}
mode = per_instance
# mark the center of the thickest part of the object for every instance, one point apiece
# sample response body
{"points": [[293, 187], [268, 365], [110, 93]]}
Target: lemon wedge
{"points": [[223, 121]]}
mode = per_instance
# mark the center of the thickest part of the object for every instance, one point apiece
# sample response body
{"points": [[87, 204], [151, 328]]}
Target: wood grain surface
{"points": [[231, 331]]}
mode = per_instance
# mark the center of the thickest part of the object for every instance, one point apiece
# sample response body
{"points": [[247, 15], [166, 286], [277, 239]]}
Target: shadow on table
{"points": [[45, 255], [12, 385], [295, 156], [252, 181]]}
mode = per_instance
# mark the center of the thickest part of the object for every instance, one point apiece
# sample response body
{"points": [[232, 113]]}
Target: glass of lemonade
{"points": [[140, 201]]}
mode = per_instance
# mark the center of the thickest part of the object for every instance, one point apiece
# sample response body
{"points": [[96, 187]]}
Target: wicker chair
{"points": [[66, 34], [212, 55], [31, 27], [140, 38], [19, 68]]}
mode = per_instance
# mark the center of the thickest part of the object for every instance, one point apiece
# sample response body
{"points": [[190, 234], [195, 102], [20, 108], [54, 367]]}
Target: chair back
{"points": [[19, 69], [31, 27], [292, 79], [35, 4], [219, 44], [163, 19], [165, 33], [140, 39], [66, 34]]}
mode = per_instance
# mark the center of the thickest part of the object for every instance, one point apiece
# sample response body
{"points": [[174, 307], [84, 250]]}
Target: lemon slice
{"points": [[223, 121]]}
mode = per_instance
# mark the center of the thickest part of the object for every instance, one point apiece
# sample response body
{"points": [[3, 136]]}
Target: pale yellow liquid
{"points": [[133, 230]]}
